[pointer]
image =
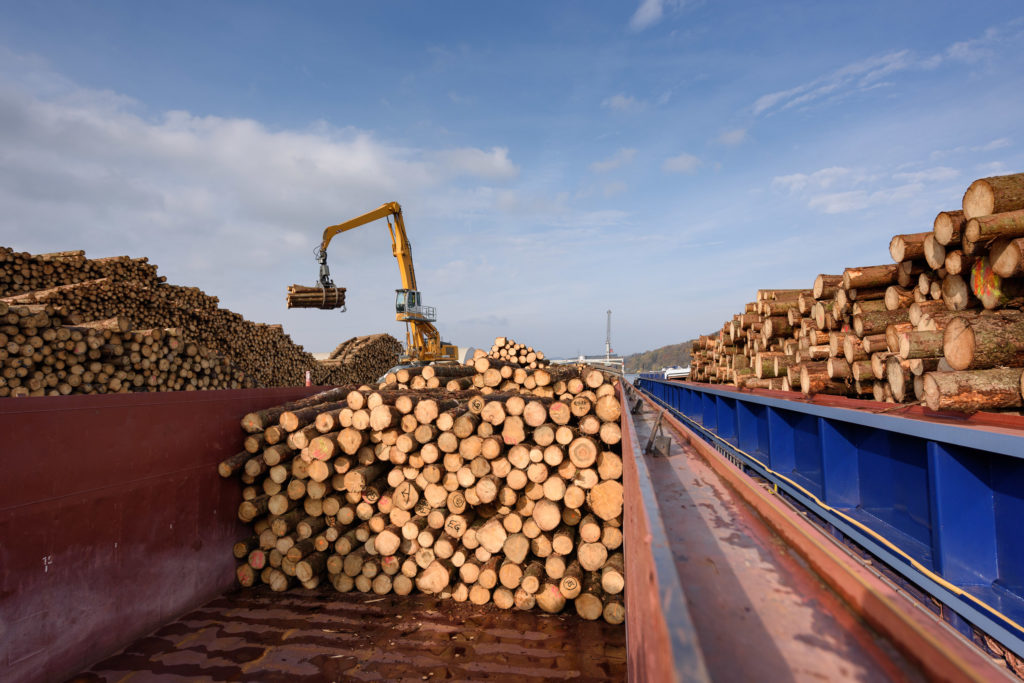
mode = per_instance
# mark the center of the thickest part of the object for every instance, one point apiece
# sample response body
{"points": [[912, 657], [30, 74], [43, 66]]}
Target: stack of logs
{"points": [[507, 349], [315, 297], [359, 360], [47, 350], [941, 325], [227, 351], [485, 495]]}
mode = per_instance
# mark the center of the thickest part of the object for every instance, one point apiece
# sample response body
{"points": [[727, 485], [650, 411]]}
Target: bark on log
{"points": [[948, 227], [997, 194], [984, 341], [1007, 257], [870, 276], [971, 391], [908, 247]]}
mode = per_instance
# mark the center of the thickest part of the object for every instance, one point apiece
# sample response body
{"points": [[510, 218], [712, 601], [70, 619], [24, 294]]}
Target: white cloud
{"points": [[623, 102], [844, 202], [647, 14], [991, 146], [493, 165], [870, 73], [840, 189], [822, 179], [928, 175], [620, 158], [650, 12], [684, 163], [1001, 143], [861, 75], [992, 168], [614, 188], [733, 137]]}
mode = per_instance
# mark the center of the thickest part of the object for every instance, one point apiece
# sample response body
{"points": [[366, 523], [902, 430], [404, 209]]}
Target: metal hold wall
{"points": [[937, 499], [112, 519], [661, 642]]}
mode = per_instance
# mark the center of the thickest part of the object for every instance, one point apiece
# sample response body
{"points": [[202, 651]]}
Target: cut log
{"points": [[815, 380], [984, 341], [870, 276], [997, 194], [1007, 257], [957, 262], [876, 322], [934, 253], [955, 293], [915, 344], [908, 247], [825, 286], [948, 227], [971, 391]]}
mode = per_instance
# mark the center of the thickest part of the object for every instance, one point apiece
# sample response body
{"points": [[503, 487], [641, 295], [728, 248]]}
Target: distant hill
{"points": [[656, 359]]}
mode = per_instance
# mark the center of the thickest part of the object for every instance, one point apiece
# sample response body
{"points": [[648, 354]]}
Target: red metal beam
{"points": [[661, 643], [981, 420]]}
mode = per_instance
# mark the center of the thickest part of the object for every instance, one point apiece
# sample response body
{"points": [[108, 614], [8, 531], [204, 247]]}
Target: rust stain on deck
{"points": [[312, 636]]}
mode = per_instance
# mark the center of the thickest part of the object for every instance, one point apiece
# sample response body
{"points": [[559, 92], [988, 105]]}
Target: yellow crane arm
{"points": [[423, 339], [400, 246]]}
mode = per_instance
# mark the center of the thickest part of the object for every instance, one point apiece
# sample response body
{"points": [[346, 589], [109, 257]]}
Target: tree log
{"points": [[997, 194], [908, 247], [984, 341], [971, 391], [948, 227]]}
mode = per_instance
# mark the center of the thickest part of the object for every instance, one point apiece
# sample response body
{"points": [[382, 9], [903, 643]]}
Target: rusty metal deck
{"points": [[257, 635], [759, 611]]}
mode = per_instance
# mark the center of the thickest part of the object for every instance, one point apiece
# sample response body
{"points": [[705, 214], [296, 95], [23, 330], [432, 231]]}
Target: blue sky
{"points": [[663, 159]]}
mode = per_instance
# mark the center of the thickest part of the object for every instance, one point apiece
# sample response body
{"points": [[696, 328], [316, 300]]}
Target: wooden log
{"points": [[948, 227], [815, 380], [957, 262], [915, 344], [984, 341], [870, 276], [897, 373], [955, 293], [934, 253], [1007, 256], [908, 247], [825, 286], [876, 322], [971, 391], [259, 420], [997, 194]]}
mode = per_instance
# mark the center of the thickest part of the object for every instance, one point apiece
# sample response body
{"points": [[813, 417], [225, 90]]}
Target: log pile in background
{"points": [[485, 495], [507, 349], [226, 351], [941, 325], [359, 360]]}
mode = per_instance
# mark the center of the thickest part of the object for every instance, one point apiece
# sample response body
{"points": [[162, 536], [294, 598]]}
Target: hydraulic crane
{"points": [[423, 341]]}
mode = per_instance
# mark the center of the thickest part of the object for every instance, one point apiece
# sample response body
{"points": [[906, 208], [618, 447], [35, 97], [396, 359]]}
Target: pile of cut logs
{"points": [[180, 338], [941, 325], [485, 495], [359, 360], [507, 349]]}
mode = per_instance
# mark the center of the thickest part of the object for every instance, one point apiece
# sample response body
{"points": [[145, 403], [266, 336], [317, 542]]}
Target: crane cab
{"points": [[409, 306]]}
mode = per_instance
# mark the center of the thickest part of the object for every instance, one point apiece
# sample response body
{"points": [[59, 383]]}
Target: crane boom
{"points": [[423, 340]]}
